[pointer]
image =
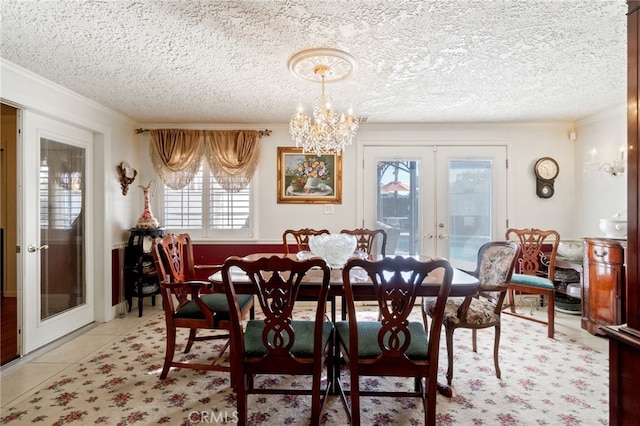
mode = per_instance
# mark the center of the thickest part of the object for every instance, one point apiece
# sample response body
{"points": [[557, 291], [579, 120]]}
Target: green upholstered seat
{"points": [[302, 345], [217, 302], [532, 280], [368, 346]]}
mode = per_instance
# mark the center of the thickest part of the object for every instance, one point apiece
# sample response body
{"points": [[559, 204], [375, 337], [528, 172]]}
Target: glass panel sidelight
{"points": [[398, 206], [470, 209], [62, 198]]}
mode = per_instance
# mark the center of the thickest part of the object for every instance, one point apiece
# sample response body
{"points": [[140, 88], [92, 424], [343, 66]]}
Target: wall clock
{"points": [[546, 170]]}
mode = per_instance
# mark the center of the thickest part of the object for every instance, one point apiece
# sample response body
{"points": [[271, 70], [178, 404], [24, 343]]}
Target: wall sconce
{"points": [[614, 168], [127, 176]]}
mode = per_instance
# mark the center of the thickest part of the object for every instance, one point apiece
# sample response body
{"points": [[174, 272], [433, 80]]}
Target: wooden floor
{"points": [[9, 333]]}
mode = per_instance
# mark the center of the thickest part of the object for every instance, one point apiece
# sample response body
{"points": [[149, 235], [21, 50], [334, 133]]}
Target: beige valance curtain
{"points": [[176, 155], [232, 155]]}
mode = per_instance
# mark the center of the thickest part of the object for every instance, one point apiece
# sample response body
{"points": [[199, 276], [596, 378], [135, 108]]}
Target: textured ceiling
{"points": [[418, 61]]}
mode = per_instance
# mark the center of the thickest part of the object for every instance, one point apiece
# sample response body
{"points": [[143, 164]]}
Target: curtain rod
{"points": [[265, 132]]}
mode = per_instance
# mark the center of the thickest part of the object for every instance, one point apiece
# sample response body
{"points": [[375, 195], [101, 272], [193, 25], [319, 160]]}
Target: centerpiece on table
{"points": [[336, 249]]}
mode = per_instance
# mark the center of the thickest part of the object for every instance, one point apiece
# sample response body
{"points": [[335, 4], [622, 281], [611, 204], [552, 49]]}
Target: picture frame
{"points": [[305, 178]]}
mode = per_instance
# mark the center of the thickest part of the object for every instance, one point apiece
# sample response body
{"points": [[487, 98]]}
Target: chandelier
{"points": [[328, 131]]}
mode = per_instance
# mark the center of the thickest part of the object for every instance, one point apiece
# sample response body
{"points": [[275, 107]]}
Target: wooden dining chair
{"points": [[392, 345], [366, 241], [300, 238], [188, 304], [494, 268], [534, 272], [278, 343], [369, 239]]}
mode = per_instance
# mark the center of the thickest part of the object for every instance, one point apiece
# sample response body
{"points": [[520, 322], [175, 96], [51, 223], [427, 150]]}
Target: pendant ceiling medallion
{"points": [[341, 64]]}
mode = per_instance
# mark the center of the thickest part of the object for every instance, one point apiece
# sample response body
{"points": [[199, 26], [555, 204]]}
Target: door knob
{"points": [[443, 236], [32, 248], [429, 236]]}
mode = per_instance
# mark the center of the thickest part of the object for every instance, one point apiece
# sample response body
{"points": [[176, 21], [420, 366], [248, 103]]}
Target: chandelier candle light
{"points": [[329, 131]]}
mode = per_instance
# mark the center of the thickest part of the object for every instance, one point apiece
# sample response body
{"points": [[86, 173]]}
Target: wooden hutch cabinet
{"points": [[604, 288]]}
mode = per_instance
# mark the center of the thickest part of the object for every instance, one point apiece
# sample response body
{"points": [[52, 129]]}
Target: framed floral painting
{"points": [[309, 178]]}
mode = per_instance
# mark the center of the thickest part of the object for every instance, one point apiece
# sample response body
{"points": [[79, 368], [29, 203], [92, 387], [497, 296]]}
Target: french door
{"points": [[441, 201], [54, 231]]}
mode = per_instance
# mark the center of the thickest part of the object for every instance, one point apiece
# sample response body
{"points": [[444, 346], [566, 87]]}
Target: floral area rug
{"points": [[544, 382]]}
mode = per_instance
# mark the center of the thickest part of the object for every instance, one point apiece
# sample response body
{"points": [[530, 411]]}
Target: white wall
{"points": [[599, 195], [525, 143], [579, 201]]}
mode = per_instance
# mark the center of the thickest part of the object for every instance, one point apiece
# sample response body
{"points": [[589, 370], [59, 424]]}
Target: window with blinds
{"points": [[205, 205], [229, 210], [183, 208]]}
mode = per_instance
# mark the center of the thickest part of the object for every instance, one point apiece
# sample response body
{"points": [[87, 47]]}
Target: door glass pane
{"points": [[398, 209], [62, 171], [470, 204]]}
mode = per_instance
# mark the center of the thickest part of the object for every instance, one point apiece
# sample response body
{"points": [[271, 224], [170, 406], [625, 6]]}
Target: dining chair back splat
{"points": [[534, 272], [392, 345], [189, 304], [494, 268], [300, 237], [279, 343], [368, 239]]}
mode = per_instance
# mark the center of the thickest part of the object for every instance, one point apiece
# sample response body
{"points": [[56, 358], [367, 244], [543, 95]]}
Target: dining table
{"points": [[462, 285]]}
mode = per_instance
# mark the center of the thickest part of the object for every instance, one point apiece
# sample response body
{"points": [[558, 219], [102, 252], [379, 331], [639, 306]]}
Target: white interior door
{"points": [[436, 200], [57, 291]]}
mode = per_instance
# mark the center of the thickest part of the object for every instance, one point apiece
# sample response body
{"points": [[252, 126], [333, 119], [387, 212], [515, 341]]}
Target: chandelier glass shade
{"points": [[328, 131]]}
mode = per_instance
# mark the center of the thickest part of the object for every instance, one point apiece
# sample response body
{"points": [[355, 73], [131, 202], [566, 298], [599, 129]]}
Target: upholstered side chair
{"points": [[494, 268]]}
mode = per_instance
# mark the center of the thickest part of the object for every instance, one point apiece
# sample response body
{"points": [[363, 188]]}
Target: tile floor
{"points": [[22, 377]]}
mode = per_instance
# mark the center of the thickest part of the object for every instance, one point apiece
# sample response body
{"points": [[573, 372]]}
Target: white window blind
{"points": [[183, 207], [204, 204], [229, 210]]}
